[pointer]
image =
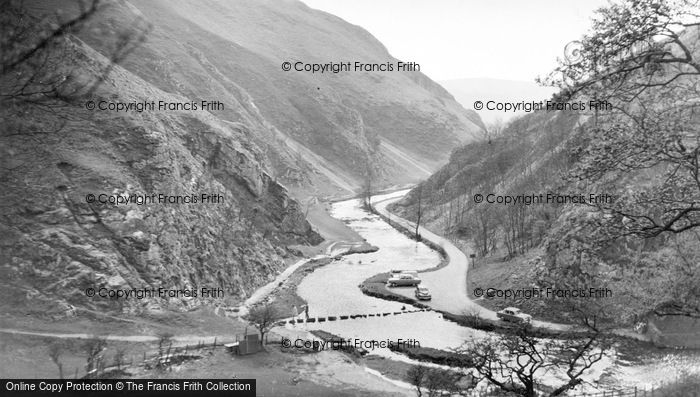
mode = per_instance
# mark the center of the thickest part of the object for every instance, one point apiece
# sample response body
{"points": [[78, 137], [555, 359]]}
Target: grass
{"points": [[278, 373], [686, 385], [431, 355], [29, 355], [199, 321], [389, 368]]}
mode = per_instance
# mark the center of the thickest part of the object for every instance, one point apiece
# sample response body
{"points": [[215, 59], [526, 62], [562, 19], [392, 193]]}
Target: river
{"points": [[333, 290]]}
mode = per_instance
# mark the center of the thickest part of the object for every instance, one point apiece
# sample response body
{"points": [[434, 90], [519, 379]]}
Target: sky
{"points": [[453, 39]]}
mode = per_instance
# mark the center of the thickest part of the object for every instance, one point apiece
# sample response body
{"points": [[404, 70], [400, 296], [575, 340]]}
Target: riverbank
{"points": [[444, 261], [284, 373], [283, 295], [375, 286], [469, 313], [340, 281]]}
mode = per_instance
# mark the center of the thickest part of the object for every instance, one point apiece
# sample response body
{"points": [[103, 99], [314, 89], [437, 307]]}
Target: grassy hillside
{"points": [[279, 135], [233, 52], [554, 245], [601, 197]]}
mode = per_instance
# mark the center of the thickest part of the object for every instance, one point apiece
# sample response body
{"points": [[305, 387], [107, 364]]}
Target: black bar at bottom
{"points": [[128, 387]]}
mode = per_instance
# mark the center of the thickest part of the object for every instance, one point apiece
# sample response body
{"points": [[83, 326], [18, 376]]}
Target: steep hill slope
{"points": [[203, 210], [603, 194], [314, 134], [58, 242], [466, 91], [548, 243], [233, 52]]}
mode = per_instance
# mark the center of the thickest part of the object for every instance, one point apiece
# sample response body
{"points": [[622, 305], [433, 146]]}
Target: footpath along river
{"points": [[333, 290]]}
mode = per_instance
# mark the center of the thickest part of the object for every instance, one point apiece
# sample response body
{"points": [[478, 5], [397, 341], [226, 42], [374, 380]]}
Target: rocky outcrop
{"points": [[194, 50], [316, 135], [213, 217]]}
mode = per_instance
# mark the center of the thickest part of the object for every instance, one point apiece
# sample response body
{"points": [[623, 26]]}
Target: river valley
{"points": [[333, 290]]}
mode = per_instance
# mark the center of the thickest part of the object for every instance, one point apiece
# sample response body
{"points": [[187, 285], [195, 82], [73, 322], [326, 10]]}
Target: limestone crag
{"points": [[57, 243]]}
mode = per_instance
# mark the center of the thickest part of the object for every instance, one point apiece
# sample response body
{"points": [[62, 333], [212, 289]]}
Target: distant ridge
{"points": [[467, 91]]}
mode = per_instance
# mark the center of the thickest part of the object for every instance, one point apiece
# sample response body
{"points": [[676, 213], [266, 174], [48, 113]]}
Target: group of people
{"points": [[295, 312]]}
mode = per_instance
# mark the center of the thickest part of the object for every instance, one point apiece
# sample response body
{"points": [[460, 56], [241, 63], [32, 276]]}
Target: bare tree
{"points": [[634, 46], [119, 358], [40, 73], [482, 226], [419, 210], [367, 188], [659, 281], [165, 344], [416, 376], [435, 381], [263, 317], [164, 339], [515, 362], [493, 129], [515, 234], [640, 59], [440, 381], [35, 48], [94, 348], [55, 351], [24, 39]]}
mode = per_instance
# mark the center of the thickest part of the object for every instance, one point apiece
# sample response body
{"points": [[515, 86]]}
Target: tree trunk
{"points": [[420, 211]]}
